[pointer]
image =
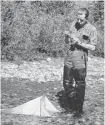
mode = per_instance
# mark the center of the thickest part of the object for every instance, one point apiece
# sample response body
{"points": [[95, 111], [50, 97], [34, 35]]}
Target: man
{"points": [[80, 38]]}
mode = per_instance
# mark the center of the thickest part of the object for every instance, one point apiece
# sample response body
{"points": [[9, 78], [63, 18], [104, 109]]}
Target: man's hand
{"points": [[67, 33], [75, 39]]}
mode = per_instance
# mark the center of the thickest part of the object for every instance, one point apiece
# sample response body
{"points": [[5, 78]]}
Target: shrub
{"points": [[30, 30]]}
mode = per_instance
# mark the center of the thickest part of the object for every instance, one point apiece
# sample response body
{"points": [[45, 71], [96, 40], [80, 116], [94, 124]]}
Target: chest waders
{"points": [[75, 65], [75, 72]]}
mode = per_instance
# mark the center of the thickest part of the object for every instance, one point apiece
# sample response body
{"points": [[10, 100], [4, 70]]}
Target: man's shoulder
{"points": [[91, 27]]}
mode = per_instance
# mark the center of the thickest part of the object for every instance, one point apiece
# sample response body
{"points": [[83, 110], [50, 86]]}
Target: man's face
{"points": [[81, 17]]}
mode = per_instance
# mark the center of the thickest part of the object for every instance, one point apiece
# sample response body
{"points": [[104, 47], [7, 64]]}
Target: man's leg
{"points": [[67, 79], [68, 83], [79, 76]]}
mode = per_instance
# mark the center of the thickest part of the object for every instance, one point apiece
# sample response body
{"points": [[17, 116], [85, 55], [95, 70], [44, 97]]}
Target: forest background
{"points": [[32, 30]]}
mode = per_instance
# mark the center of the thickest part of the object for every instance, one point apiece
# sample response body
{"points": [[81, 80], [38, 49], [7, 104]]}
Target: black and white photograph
{"points": [[52, 62]]}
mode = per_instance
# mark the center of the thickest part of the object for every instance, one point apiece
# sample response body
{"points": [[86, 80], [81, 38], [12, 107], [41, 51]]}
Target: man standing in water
{"points": [[81, 37]]}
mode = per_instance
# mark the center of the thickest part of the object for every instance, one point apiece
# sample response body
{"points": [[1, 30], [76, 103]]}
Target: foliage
{"points": [[33, 29]]}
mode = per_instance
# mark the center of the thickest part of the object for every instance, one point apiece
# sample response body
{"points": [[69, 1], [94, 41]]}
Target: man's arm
{"points": [[77, 41], [84, 45], [87, 46], [93, 40]]}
